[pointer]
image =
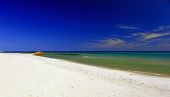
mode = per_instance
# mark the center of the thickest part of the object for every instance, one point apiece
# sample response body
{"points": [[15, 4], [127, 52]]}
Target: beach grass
{"points": [[147, 65]]}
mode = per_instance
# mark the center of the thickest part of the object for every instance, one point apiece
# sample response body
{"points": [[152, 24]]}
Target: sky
{"points": [[81, 25]]}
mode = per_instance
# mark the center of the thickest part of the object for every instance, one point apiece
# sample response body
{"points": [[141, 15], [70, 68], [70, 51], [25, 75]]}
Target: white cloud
{"points": [[162, 28], [106, 43], [147, 36], [139, 40], [155, 35], [128, 27], [149, 40]]}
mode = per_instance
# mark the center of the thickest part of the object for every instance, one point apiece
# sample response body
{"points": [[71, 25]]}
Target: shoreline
{"points": [[34, 76], [119, 61], [139, 72]]}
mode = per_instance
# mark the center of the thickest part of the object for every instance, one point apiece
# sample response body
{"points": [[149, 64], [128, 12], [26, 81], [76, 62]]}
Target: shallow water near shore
{"points": [[149, 62]]}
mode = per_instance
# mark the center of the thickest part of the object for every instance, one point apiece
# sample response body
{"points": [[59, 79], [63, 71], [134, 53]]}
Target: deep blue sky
{"points": [[84, 25]]}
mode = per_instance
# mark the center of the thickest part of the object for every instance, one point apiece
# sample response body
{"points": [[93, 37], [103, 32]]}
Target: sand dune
{"points": [[25, 75]]}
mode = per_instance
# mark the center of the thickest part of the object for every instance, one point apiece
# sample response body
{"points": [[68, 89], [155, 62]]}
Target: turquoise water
{"points": [[157, 55], [149, 61], [162, 55], [153, 62]]}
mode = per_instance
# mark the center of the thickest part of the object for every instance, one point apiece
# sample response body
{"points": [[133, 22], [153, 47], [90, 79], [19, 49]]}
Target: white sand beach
{"points": [[26, 75]]}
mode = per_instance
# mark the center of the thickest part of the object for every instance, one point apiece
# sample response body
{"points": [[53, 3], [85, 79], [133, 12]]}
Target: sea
{"points": [[144, 61], [135, 54]]}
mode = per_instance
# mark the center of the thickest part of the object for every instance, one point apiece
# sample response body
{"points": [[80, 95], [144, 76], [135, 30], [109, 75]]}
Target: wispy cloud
{"points": [[157, 38], [106, 43], [162, 28], [147, 36], [127, 27]]}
